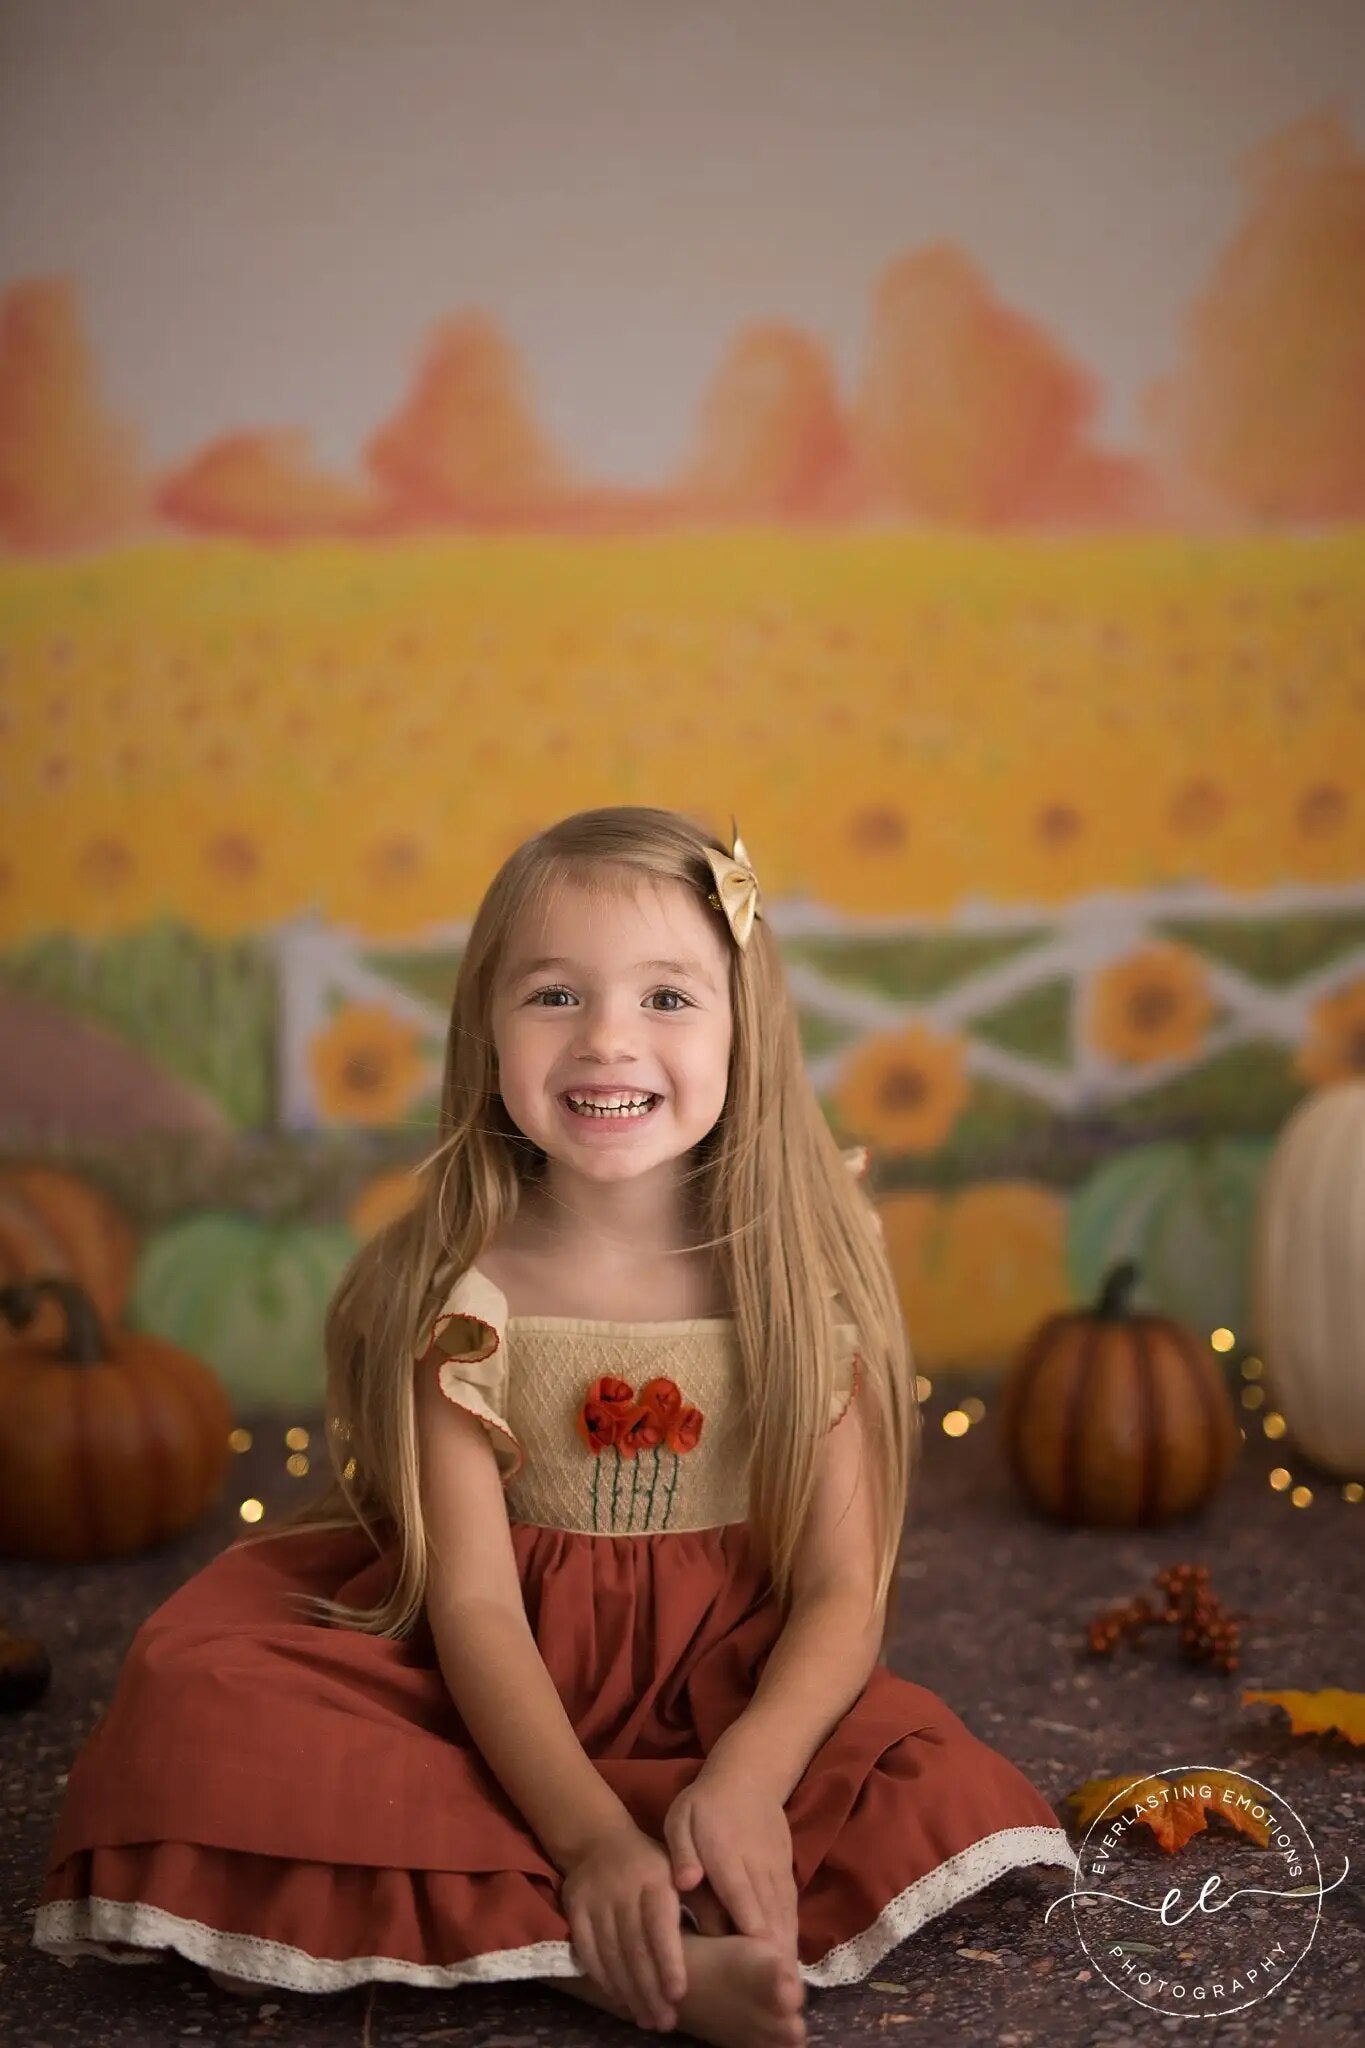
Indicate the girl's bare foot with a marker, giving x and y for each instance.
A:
(741, 1993)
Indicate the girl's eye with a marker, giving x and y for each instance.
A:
(558, 991)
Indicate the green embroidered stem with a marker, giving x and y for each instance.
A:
(649, 1504)
(668, 1504)
(615, 1483)
(596, 1475)
(634, 1484)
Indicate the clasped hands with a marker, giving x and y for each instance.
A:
(622, 1895)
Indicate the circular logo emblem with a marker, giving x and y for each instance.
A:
(1204, 1930)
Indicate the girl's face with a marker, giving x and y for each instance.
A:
(615, 1001)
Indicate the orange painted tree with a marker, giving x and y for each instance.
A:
(773, 438)
(264, 485)
(465, 447)
(969, 413)
(1265, 415)
(69, 472)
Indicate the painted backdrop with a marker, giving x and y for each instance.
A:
(422, 427)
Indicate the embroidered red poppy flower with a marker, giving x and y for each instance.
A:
(663, 1396)
(642, 1429)
(604, 1411)
(680, 1423)
(684, 1431)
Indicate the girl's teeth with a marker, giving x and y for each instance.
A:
(595, 1109)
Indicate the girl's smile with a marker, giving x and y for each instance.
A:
(602, 1113)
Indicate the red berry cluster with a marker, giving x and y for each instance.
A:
(1207, 1631)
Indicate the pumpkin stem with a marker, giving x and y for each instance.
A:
(1113, 1303)
(83, 1340)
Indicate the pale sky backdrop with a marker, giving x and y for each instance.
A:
(266, 203)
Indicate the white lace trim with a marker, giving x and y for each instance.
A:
(122, 1931)
(971, 1870)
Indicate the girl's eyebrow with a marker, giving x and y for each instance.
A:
(693, 968)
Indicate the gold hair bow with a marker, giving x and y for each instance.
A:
(736, 891)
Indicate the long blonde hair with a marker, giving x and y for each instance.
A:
(775, 1200)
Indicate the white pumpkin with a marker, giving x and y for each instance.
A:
(1308, 1276)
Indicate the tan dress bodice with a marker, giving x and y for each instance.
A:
(607, 1428)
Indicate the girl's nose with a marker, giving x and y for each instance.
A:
(606, 1030)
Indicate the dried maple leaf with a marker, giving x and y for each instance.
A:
(1173, 1810)
(1314, 1713)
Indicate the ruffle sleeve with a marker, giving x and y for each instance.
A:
(858, 1160)
(847, 1373)
(467, 1347)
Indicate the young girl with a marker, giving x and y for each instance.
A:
(575, 1673)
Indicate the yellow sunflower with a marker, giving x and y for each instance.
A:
(1153, 1006)
(1070, 813)
(1335, 1047)
(902, 1091)
(1325, 822)
(226, 860)
(877, 829)
(79, 867)
(367, 1065)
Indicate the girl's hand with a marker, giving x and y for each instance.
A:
(626, 1919)
(731, 1832)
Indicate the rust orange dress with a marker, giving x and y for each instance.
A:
(302, 1805)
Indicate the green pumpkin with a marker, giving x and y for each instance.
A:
(247, 1296)
(1185, 1214)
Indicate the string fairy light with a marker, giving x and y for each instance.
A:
(1254, 1395)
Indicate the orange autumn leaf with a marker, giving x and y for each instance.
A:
(1173, 1811)
(1315, 1713)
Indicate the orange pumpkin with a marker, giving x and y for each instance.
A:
(108, 1443)
(1117, 1419)
(53, 1222)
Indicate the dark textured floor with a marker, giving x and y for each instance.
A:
(993, 1610)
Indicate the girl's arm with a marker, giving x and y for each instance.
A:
(487, 1653)
(832, 1637)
